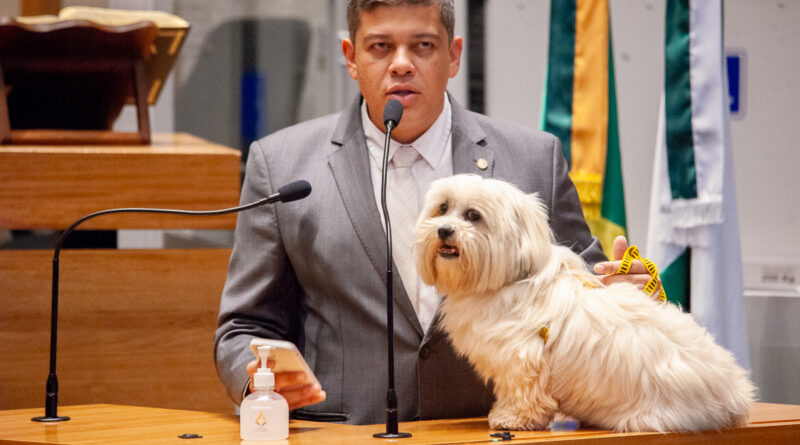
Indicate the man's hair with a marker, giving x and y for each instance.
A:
(447, 13)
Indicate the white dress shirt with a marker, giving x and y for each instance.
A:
(436, 161)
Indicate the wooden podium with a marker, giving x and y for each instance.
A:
(120, 425)
(136, 327)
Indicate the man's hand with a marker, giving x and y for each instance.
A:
(637, 275)
(292, 386)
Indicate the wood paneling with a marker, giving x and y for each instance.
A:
(135, 327)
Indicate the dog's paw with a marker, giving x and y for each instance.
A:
(503, 419)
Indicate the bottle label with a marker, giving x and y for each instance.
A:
(261, 420)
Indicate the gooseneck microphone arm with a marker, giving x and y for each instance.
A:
(290, 192)
(392, 113)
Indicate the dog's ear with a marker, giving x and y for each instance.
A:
(536, 237)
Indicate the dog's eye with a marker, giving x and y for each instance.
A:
(472, 215)
(443, 208)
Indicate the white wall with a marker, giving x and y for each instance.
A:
(10, 8)
(767, 140)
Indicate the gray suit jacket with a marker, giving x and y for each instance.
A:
(313, 271)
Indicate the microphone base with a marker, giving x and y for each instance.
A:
(391, 421)
(50, 419)
(391, 435)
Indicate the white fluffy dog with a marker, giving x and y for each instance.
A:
(532, 319)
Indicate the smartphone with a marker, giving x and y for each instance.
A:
(286, 357)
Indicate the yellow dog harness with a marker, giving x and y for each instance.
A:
(625, 266)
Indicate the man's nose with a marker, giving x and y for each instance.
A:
(401, 62)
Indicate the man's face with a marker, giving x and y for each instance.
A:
(402, 53)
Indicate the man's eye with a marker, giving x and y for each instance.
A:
(472, 215)
(443, 208)
(425, 46)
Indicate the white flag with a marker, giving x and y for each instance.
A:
(693, 234)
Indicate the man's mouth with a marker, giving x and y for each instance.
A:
(400, 92)
(448, 251)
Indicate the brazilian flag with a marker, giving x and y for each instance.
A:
(580, 108)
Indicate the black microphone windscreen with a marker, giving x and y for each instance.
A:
(294, 191)
(393, 111)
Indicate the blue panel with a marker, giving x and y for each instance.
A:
(734, 67)
(254, 107)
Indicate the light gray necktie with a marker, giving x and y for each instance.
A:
(402, 197)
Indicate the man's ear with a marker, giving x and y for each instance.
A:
(349, 51)
(456, 47)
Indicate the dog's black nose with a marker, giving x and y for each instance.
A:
(445, 232)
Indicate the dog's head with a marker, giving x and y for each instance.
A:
(477, 235)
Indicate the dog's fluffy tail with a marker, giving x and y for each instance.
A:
(697, 392)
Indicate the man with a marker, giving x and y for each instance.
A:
(312, 271)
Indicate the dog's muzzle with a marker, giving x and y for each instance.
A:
(446, 250)
(445, 232)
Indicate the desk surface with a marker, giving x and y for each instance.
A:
(114, 424)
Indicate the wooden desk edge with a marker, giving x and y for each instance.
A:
(785, 423)
(161, 143)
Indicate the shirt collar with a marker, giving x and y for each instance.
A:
(431, 145)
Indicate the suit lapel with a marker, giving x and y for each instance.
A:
(351, 171)
(471, 153)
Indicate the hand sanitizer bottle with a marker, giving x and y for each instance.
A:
(264, 414)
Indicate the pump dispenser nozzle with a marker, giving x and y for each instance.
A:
(264, 377)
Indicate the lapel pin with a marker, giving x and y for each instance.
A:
(482, 163)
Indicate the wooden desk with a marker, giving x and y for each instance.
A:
(115, 424)
(50, 186)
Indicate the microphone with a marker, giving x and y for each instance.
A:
(289, 192)
(392, 112)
